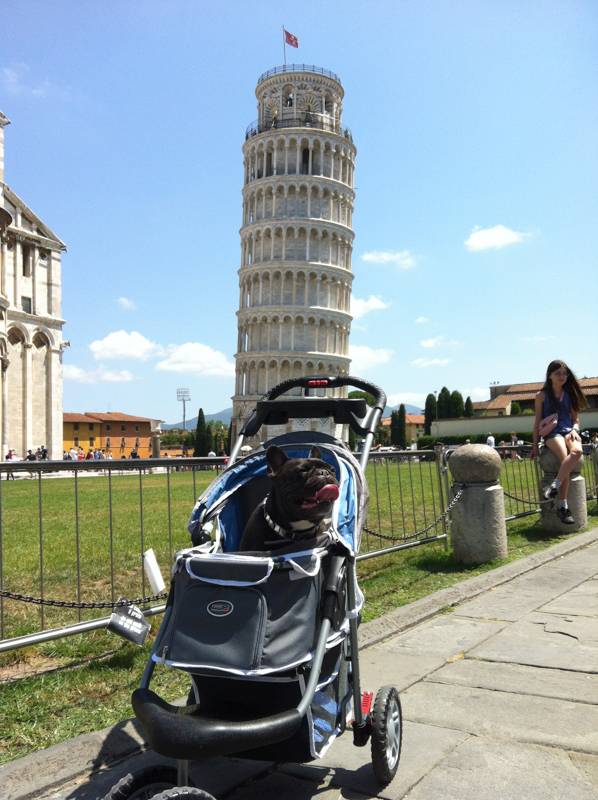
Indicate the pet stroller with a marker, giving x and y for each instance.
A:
(269, 640)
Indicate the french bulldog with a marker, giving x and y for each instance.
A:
(300, 500)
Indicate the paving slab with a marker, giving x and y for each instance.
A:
(544, 640)
(283, 786)
(380, 666)
(581, 601)
(482, 769)
(523, 595)
(581, 687)
(424, 747)
(500, 715)
(446, 636)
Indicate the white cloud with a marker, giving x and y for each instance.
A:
(99, 375)
(430, 362)
(403, 260)
(364, 358)
(124, 303)
(409, 398)
(359, 308)
(196, 358)
(18, 80)
(480, 393)
(431, 342)
(121, 344)
(420, 320)
(496, 237)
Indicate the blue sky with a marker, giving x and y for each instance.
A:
(475, 218)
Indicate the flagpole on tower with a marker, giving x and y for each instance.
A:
(284, 46)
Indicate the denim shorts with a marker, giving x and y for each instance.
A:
(558, 431)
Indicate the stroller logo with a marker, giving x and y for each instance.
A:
(220, 608)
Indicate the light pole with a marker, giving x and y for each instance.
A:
(436, 398)
(183, 394)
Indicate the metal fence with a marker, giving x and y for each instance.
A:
(72, 534)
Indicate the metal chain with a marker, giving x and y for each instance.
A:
(528, 502)
(447, 510)
(41, 601)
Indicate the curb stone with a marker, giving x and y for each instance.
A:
(27, 778)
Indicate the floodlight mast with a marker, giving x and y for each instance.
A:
(183, 394)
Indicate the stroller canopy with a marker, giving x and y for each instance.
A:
(229, 499)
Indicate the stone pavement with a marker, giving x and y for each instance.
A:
(498, 678)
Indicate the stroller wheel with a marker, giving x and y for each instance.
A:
(387, 729)
(183, 793)
(144, 784)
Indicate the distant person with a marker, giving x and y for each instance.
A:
(515, 443)
(73, 454)
(9, 474)
(561, 395)
(468, 441)
(30, 457)
(212, 454)
(43, 453)
(490, 440)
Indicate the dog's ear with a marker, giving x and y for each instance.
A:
(275, 458)
(316, 452)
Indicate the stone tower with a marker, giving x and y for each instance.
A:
(296, 237)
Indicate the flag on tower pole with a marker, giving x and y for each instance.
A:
(288, 38)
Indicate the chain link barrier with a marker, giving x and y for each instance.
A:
(419, 534)
(42, 601)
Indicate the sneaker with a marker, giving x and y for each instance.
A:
(549, 492)
(565, 515)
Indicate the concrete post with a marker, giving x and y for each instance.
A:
(576, 495)
(478, 530)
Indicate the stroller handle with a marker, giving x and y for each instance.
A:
(326, 382)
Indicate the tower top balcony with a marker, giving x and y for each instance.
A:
(308, 119)
(298, 68)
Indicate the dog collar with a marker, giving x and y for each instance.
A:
(284, 532)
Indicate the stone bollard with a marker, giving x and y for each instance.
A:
(576, 495)
(478, 530)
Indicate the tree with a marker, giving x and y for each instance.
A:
(394, 428)
(444, 403)
(468, 407)
(429, 414)
(383, 435)
(352, 440)
(457, 408)
(402, 426)
(210, 436)
(515, 407)
(369, 398)
(201, 439)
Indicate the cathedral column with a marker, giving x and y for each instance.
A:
(4, 444)
(28, 396)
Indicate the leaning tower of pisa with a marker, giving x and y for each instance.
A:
(296, 237)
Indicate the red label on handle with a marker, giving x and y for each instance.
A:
(317, 383)
(366, 703)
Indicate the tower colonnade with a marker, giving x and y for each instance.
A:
(296, 237)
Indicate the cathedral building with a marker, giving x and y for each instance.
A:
(296, 238)
(30, 327)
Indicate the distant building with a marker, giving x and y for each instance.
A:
(120, 433)
(30, 326)
(414, 425)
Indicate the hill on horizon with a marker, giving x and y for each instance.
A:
(225, 417)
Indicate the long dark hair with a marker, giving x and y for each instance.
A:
(577, 399)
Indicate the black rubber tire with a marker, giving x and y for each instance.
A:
(387, 733)
(184, 793)
(144, 784)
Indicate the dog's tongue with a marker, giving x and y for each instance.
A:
(327, 494)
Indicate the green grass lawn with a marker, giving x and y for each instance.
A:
(83, 683)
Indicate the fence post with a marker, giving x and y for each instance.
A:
(478, 529)
(576, 495)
